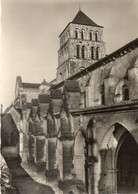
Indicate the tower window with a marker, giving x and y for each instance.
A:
(96, 36)
(125, 93)
(92, 52)
(76, 34)
(91, 35)
(97, 53)
(78, 51)
(83, 52)
(82, 34)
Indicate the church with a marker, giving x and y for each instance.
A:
(80, 131)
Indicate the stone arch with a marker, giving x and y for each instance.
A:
(110, 146)
(98, 53)
(92, 51)
(97, 36)
(91, 33)
(78, 51)
(82, 34)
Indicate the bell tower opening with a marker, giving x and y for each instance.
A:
(127, 166)
(76, 41)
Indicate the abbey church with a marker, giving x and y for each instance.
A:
(80, 131)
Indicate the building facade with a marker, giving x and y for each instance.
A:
(82, 132)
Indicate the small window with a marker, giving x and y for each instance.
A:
(96, 36)
(97, 53)
(102, 95)
(83, 52)
(76, 34)
(78, 51)
(91, 35)
(125, 93)
(82, 34)
(92, 52)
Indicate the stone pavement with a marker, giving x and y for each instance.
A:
(23, 182)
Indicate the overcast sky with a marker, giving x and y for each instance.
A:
(30, 30)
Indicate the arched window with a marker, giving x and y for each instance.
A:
(92, 52)
(82, 34)
(78, 51)
(97, 53)
(96, 36)
(91, 35)
(76, 34)
(102, 95)
(125, 93)
(83, 52)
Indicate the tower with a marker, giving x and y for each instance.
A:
(81, 44)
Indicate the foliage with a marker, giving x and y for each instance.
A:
(6, 187)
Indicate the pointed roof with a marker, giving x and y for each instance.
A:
(44, 82)
(83, 19)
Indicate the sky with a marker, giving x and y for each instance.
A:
(30, 32)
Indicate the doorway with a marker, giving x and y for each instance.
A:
(127, 166)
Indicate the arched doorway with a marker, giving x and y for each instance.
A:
(119, 161)
(127, 165)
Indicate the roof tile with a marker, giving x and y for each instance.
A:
(31, 85)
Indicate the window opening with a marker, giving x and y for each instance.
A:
(83, 52)
(78, 51)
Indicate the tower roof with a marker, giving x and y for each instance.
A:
(83, 19)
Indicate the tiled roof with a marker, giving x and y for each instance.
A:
(34, 102)
(43, 98)
(31, 85)
(55, 94)
(71, 86)
(83, 19)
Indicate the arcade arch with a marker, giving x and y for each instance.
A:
(118, 151)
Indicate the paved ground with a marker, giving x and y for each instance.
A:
(23, 182)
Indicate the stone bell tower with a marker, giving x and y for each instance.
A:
(81, 44)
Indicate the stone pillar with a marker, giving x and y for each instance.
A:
(25, 147)
(94, 162)
(109, 90)
(112, 173)
(40, 153)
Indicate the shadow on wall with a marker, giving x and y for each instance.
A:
(10, 137)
